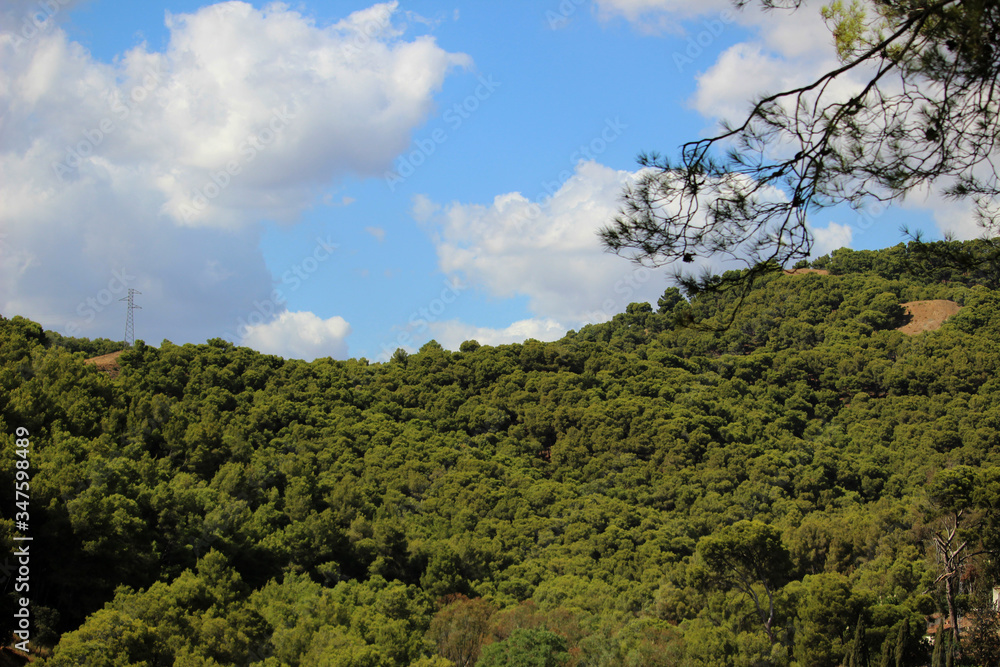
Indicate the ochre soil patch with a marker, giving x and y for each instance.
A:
(106, 362)
(927, 315)
(799, 272)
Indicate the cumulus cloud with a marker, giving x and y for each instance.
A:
(244, 113)
(658, 15)
(954, 217)
(741, 73)
(300, 335)
(830, 238)
(453, 333)
(160, 166)
(784, 48)
(787, 51)
(547, 251)
(24, 20)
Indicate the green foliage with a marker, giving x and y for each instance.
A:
(638, 493)
(459, 629)
(526, 648)
(858, 654)
(824, 603)
(981, 644)
(848, 26)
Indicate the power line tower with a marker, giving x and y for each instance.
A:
(129, 321)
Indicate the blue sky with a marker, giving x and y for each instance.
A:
(342, 179)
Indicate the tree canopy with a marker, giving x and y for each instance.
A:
(637, 493)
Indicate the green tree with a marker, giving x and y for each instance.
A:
(940, 645)
(905, 653)
(670, 299)
(111, 638)
(953, 491)
(982, 639)
(824, 605)
(460, 628)
(749, 556)
(526, 648)
(858, 654)
(888, 657)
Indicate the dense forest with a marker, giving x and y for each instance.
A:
(772, 478)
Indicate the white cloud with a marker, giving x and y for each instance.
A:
(830, 238)
(251, 109)
(451, 334)
(251, 113)
(423, 208)
(658, 15)
(953, 217)
(786, 47)
(792, 49)
(548, 251)
(802, 35)
(727, 89)
(300, 335)
(23, 20)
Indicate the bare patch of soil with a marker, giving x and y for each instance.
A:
(799, 272)
(107, 363)
(927, 315)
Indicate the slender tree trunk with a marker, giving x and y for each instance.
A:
(766, 617)
(949, 592)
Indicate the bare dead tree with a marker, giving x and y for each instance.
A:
(952, 554)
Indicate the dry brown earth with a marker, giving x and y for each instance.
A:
(106, 362)
(799, 272)
(927, 315)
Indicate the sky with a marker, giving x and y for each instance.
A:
(342, 179)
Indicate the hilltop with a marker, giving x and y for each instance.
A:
(684, 484)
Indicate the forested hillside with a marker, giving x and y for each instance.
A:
(667, 488)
